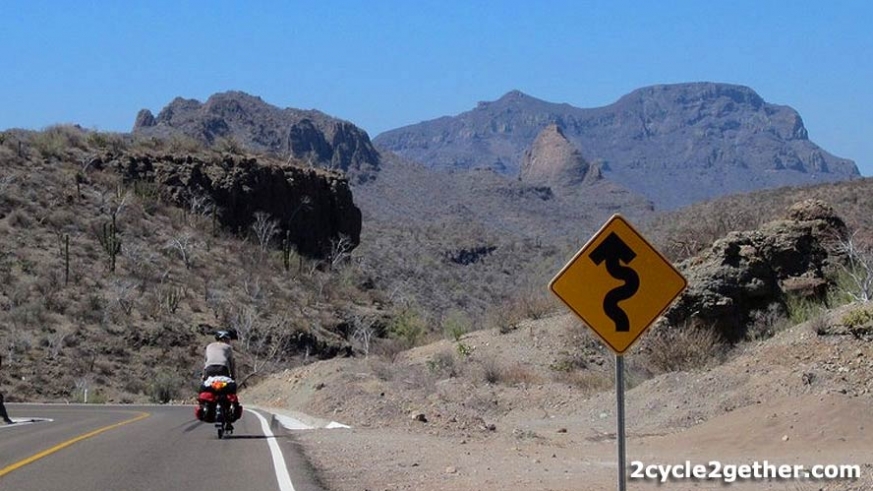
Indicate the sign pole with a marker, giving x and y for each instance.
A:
(619, 434)
(618, 284)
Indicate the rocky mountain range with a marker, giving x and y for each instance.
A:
(674, 144)
(246, 120)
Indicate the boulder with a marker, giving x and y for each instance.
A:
(752, 270)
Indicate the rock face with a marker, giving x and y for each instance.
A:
(752, 271)
(315, 207)
(674, 144)
(553, 160)
(310, 136)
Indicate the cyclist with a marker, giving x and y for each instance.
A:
(219, 356)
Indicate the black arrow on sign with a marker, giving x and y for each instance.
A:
(615, 252)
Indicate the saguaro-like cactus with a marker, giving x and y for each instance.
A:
(111, 242)
(287, 248)
(66, 252)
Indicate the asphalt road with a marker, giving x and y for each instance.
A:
(144, 448)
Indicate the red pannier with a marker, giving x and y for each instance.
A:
(210, 390)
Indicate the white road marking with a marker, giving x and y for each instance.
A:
(282, 476)
(291, 423)
(25, 421)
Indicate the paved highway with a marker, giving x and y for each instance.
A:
(144, 448)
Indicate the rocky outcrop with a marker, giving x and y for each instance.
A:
(752, 271)
(309, 136)
(675, 144)
(553, 160)
(314, 207)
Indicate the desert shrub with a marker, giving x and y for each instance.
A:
(492, 372)
(407, 325)
(56, 141)
(380, 369)
(50, 143)
(31, 314)
(455, 325)
(686, 232)
(535, 304)
(229, 145)
(146, 143)
(165, 387)
(184, 144)
(857, 317)
(569, 361)
(105, 141)
(684, 347)
(517, 375)
(464, 350)
(766, 323)
(443, 364)
(505, 318)
(855, 277)
(801, 309)
(587, 381)
(20, 218)
(388, 349)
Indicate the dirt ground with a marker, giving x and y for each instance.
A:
(503, 412)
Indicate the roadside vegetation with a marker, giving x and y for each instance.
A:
(108, 291)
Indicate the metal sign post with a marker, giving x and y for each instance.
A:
(619, 432)
(618, 284)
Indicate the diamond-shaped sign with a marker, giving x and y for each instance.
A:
(618, 284)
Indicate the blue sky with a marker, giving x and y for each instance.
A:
(386, 64)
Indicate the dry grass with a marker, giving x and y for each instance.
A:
(143, 317)
(686, 347)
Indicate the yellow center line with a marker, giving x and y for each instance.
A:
(60, 446)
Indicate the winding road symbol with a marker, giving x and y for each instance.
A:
(614, 252)
(618, 284)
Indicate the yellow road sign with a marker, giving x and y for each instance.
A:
(618, 284)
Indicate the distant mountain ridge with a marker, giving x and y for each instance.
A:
(675, 144)
(308, 135)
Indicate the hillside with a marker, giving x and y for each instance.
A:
(119, 258)
(530, 405)
(438, 252)
(707, 139)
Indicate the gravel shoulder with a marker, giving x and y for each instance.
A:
(415, 423)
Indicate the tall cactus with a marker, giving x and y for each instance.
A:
(66, 253)
(111, 242)
(286, 251)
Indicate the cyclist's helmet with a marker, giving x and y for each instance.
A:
(222, 336)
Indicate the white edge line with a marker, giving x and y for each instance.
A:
(282, 476)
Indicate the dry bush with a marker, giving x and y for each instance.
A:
(388, 349)
(685, 347)
(383, 370)
(443, 364)
(766, 323)
(505, 318)
(586, 381)
(56, 141)
(20, 219)
(184, 144)
(684, 233)
(515, 375)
